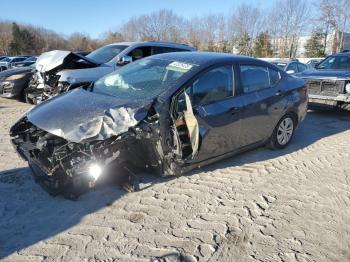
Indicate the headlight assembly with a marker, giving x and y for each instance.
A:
(95, 171)
(7, 84)
(347, 88)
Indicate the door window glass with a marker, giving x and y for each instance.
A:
(165, 49)
(301, 67)
(293, 66)
(140, 52)
(214, 85)
(275, 76)
(254, 78)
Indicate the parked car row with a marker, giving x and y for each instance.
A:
(329, 83)
(7, 62)
(14, 81)
(290, 66)
(160, 107)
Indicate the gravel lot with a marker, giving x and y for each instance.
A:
(289, 205)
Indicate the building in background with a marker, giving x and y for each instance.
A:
(295, 48)
(336, 42)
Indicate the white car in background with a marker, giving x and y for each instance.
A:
(60, 71)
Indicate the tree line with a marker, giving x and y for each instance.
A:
(247, 29)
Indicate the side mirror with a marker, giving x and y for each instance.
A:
(124, 60)
(290, 72)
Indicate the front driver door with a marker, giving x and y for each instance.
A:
(217, 110)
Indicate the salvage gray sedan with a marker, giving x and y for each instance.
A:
(168, 114)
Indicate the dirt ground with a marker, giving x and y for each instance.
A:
(288, 205)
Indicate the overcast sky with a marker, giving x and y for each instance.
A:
(97, 16)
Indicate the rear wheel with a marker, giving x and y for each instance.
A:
(283, 132)
(345, 106)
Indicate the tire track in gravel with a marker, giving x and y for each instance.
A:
(289, 205)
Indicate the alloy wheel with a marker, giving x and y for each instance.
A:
(285, 131)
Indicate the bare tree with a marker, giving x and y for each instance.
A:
(288, 20)
(111, 37)
(334, 17)
(162, 25)
(245, 24)
(5, 37)
(81, 42)
(246, 28)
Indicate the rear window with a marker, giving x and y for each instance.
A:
(165, 49)
(335, 62)
(18, 59)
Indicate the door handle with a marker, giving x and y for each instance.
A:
(234, 110)
(279, 93)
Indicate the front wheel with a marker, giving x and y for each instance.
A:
(27, 99)
(283, 132)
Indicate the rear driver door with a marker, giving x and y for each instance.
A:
(217, 110)
(264, 102)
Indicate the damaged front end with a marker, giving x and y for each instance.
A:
(45, 82)
(44, 86)
(119, 129)
(71, 168)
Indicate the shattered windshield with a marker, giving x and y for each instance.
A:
(335, 62)
(142, 79)
(106, 53)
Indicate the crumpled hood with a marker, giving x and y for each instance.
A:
(53, 59)
(79, 115)
(325, 74)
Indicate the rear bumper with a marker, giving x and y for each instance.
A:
(339, 98)
(329, 100)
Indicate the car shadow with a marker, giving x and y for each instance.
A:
(317, 125)
(28, 215)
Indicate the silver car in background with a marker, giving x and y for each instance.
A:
(60, 71)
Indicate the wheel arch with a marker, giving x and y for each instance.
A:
(294, 115)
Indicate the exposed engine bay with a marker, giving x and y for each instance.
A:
(154, 144)
(45, 83)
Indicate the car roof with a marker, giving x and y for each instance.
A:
(206, 58)
(281, 61)
(341, 54)
(156, 43)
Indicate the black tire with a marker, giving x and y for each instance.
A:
(279, 139)
(27, 99)
(345, 106)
